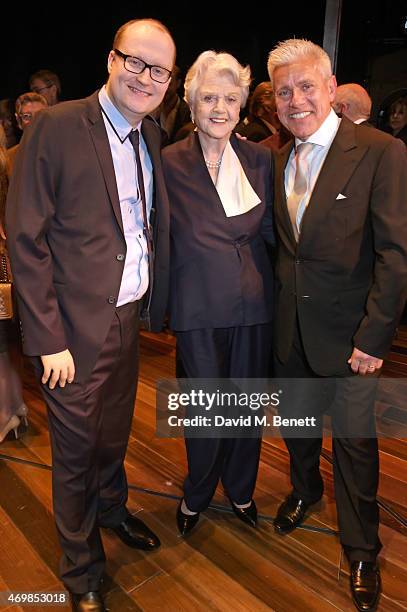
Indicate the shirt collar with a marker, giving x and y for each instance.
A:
(120, 123)
(325, 133)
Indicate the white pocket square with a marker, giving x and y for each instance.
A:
(340, 196)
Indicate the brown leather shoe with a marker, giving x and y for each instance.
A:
(87, 602)
(365, 585)
(133, 532)
(290, 514)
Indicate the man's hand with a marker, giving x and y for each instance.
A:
(58, 368)
(2, 232)
(362, 363)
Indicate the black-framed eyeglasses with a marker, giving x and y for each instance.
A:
(137, 66)
(40, 89)
(25, 116)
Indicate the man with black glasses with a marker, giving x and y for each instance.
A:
(27, 106)
(86, 215)
(46, 83)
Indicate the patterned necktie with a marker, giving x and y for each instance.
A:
(295, 198)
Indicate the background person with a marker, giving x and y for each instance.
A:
(12, 406)
(353, 101)
(27, 106)
(262, 120)
(48, 84)
(87, 205)
(173, 113)
(398, 119)
(8, 122)
(221, 279)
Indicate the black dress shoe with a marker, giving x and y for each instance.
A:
(88, 602)
(133, 532)
(290, 514)
(247, 515)
(365, 584)
(186, 522)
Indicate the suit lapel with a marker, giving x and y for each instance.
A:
(342, 158)
(101, 143)
(152, 136)
(281, 210)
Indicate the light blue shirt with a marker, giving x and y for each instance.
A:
(134, 281)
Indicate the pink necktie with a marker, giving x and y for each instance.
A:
(300, 185)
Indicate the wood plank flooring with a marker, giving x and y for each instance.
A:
(223, 565)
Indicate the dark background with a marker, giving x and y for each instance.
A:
(74, 39)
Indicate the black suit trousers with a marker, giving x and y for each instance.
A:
(89, 426)
(235, 352)
(350, 401)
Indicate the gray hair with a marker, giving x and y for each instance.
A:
(223, 64)
(295, 50)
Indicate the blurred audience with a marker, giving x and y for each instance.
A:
(7, 121)
(173, 113)
(3, 138)
(27, 106)
(262, 120)
(353, 101)
(46, 83)
(184, 131)
(398, 119)
(12, 407)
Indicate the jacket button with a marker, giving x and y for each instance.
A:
(111, 299)
(120, 257)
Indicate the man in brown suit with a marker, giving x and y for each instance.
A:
(341, 283)
(85, 214)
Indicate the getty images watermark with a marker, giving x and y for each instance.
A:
(300, 408)
(239, 401)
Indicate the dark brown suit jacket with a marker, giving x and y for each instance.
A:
(346, 278)
(65, 232)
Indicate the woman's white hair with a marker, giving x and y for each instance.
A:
(223, 64)
(295, 50)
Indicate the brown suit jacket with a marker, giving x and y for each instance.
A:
(65, 232)
(346, 278)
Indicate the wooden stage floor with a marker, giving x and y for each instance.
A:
(223, 565)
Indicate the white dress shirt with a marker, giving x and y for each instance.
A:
(134, 281)
(322, 140)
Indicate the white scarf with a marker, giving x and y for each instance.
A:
(233, 187)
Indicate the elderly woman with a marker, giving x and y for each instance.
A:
(221, 279)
